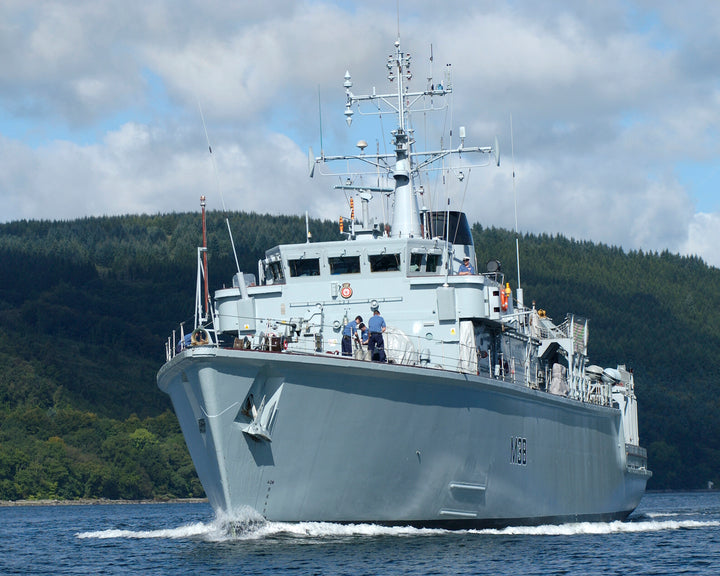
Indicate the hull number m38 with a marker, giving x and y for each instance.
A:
(518, 451)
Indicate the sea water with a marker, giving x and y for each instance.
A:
(670, 533)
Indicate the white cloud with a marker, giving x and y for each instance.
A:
(98, 107)
(704, 238)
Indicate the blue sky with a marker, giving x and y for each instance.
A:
(615, 107)
(703, 180)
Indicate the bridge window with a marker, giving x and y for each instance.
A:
(274, 272)
(433, 262)
(384, 262)
(304, 267)
(424, 263)
(344, 265)
(415, 262)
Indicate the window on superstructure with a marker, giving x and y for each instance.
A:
(304, 267)
(384, 262)
(415, 262)
(344, 265)
(433, 262)
(274, 273)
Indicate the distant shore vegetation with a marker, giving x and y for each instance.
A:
(87, 305)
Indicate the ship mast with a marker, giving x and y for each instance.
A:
(403, 164)
(406, 218)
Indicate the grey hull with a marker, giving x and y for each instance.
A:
(333, 439)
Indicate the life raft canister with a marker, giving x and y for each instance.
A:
(505, 297)
(200, 337)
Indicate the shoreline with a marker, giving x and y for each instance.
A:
(97, 501)
(107, 501)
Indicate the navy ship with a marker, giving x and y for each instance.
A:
(382, 379)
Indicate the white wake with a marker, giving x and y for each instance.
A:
(250, 526)
(617, 527)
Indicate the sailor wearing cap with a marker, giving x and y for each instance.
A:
(466, 268)
(376, 344)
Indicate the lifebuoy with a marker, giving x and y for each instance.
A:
(199, 338)
(503, 300)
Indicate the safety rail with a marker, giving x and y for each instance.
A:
(446, 356)
(633, 450)
(201, 336)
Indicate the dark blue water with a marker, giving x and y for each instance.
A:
(676, 533)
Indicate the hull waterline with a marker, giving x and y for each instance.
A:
(349, 441)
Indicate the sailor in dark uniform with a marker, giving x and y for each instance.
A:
(376, 344)
(347, 336)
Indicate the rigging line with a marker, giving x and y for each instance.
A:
(517, 240)
(448, 116)
(448, 83)
(219, 189)
(212, 157)
(382, 128)
(433, 195)
(377, 167)
(417, 176)
(462, 203)
(205, 412)
(428, 231)
(440, 183)
(439, 180)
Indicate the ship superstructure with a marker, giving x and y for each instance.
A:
(486, 412)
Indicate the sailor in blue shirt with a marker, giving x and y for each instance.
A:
(376, 344)
(361, 340)
(347, 335)
(466, 268)
(364, 334)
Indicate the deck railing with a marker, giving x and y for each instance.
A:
(443, 356)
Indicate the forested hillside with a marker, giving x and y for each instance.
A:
(86, 306)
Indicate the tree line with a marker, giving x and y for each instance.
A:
(86, 306)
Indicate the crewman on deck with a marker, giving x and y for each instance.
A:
(376, 343)
(348, 332)
(361, 340)
(466, 268)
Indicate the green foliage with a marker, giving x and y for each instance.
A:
(67, 454)
(86, 306)
(85, 309)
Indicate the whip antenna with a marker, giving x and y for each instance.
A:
(219, 189)
(517, 239)
(322, 153)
